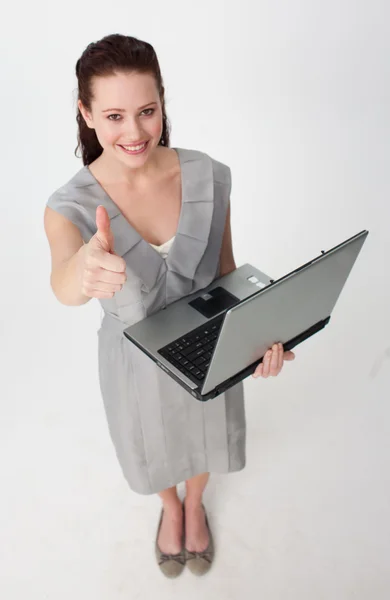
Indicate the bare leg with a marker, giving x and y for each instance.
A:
(170, 537)
(197, 538)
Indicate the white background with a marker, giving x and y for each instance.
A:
(294, 97)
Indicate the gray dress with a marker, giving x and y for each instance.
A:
(162, 435)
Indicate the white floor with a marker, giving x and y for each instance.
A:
(308, 518)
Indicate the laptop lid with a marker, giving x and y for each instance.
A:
(281, 311)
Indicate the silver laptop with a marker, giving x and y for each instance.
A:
(212, 339)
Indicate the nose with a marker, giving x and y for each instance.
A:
(134, 131)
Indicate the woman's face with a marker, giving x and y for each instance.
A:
(126, 111)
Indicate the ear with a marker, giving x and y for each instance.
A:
(86, 115)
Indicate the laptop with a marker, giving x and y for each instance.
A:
(211, 340)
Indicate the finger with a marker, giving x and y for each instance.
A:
(109, 288)
(100, 294)
(103, 225)
(266, 363)
(259, 371)
(280, 355)
(99, 275)
(100, 290)
(274, 360)
(289, 355)
(112, 262)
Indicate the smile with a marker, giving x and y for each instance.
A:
(134, 149)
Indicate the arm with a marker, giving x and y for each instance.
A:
(66, 247)
(227, 262)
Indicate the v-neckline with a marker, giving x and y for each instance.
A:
(139, 237)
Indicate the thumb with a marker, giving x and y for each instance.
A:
(104, 233)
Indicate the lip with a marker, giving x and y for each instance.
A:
(134, 143)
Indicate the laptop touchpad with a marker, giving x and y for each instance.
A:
(214, 302)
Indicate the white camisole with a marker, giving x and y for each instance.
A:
(164, 248)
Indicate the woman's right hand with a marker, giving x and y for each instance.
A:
(103, 272)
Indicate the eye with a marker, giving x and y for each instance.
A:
(113, 115)
(151, 111)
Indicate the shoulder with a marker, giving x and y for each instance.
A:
(76, 200)
(77, 191)
(221, 171)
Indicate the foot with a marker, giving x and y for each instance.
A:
(171, 531)
(197, 537)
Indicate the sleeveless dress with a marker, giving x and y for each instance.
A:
(162, 435)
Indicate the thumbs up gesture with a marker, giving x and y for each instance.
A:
(103, 272)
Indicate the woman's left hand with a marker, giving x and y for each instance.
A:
(273, 361)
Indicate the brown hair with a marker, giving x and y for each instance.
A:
(112, 54)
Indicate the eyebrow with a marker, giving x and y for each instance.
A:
(123, 110)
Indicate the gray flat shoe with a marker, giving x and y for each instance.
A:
(171, 565)
(200, 563)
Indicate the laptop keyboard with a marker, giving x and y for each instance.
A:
(192, 353)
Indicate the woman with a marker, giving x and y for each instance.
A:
(139, 226)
